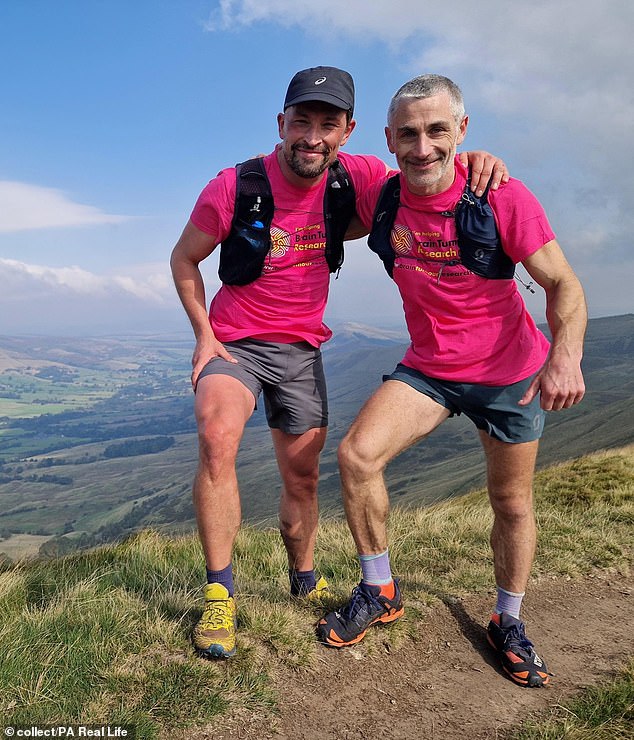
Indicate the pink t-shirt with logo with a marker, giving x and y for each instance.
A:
(287, 303)
(463, 327)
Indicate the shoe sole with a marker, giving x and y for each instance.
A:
(216, 652)
(525, 680)
(384, 619)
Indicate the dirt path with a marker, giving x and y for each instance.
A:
(448, 685)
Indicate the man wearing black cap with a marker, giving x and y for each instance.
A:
(280, 240)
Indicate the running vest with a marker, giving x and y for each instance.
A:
(478, 238)
(243, 252)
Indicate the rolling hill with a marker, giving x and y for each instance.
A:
(81, 421)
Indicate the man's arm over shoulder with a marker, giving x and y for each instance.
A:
(356, 229)
(484, 167)
(560, 381)
(364, 169)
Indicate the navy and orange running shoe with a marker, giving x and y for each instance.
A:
(506, 635)
(367, 606)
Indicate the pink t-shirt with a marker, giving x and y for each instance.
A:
(287, 303)
(463, 327)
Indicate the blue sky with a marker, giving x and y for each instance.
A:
(115, 114)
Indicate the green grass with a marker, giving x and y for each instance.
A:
(103, 636)
(604, 712)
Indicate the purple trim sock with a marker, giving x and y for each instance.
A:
(224, 576)
(509, 602)
(376, 569)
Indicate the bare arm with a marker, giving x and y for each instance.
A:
(190, 250)
(560, 380)
(484, 166)
(356, 229)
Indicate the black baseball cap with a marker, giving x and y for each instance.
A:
(328, 84)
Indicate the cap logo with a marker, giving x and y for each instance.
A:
(320, 81)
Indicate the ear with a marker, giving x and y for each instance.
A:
(462, 130)
(388, 137)
(280, 125)
(348, 131)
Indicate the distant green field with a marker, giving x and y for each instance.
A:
(27, 396)
(20, 546)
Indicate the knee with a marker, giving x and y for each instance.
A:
(356, 461)
(302, 487)
(512, 506)
(217, 443)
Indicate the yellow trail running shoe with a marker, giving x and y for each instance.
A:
(317, 594)
(215, 634)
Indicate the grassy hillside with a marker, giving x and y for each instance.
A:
(103, 636)
(65, 405)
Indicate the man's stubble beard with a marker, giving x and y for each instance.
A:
(307, 170)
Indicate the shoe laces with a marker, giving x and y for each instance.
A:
(361, 596)
(217, 615)
(516, 641)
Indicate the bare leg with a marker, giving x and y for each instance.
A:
(298, 461)
(223, 406)
(393, 419)
(510, 469)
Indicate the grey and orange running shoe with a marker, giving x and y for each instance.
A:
(508, 638)
(368, 606)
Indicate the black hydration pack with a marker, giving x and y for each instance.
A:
(478, 238)
(243, 252)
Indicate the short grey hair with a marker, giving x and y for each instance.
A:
(426, 86)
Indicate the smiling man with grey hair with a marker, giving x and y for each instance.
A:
(475, 350)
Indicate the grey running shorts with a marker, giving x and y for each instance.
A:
(493, 409)
(290, 376)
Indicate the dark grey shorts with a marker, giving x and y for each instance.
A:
(290, 376)
(493, 409)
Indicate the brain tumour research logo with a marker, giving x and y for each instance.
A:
(401, 239)
(280, 242)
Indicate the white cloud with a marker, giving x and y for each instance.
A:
(68, 300)
(21, 281)
(357, 17)
(567, 58)
(558, 75)
(24, 207)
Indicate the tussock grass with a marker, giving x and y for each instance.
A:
(604, 712)
(103, 636)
